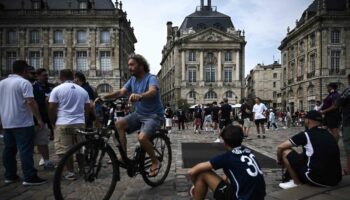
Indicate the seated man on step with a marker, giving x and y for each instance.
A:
(243, 177)
(319, 164)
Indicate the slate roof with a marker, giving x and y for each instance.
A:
(55, 4)
(205, 18)
(331, 5)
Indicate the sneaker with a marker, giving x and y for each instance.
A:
(263, 137)
(258, 136)
(288, 185)
(41, 162)
(217, 140)
(70, 176)
(9, 181)
(49, 165)
(35, 180)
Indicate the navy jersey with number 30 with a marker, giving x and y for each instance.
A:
(245, 174)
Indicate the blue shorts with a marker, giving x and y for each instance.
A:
(146, 124)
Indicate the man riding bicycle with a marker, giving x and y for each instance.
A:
(149, 112)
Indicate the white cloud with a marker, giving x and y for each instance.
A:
(265, 23)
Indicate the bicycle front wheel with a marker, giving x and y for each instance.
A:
(162, 149)
(84, 172)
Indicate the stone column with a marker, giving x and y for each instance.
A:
(219, 70)
(92, 41)
(69, 51)
(21, 40)
(201, 66)
(183, 66)
(237, 65)
(46, 43)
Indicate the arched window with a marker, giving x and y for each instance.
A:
(211, 95)
(229, 94)
(192, 95)
(104, 88)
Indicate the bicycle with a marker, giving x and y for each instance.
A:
(92, 171)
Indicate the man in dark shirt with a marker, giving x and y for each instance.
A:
(197, 115)
(225, 114)
(319, 164)
(332, 117)
(215, 111)
(43, 81)
(247, 117)
(41, 139)
(80, 79)
(344, 104)
(240, 167)
(181, 117)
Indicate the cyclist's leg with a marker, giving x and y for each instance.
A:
(128, 123)
(149, 126)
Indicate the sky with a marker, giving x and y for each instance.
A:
(265, 24)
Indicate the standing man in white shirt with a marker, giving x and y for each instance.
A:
(17, 106)
(259, 116)
(69, 104)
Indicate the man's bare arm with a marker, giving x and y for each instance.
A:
(152, 91)
(280, 148)
(87, 108)
(201, 167)
(116, 94)
(33, 106)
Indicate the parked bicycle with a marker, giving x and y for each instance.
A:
(97, 169)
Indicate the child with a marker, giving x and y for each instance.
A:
(245, 177)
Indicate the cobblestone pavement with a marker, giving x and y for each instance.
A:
(176, 185)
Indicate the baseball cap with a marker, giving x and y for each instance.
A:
(314, 115)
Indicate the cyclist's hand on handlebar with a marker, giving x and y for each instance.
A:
(135, 97)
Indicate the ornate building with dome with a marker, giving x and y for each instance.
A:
(203, 59)
(316, 52)
(91, 36)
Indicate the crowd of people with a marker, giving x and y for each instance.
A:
(33, 109)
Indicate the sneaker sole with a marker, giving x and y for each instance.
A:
(33, 184)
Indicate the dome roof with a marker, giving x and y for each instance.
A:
(205, 17)
(328, 5)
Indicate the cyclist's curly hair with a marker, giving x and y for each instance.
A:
(141, 61)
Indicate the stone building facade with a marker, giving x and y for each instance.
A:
(91, 36)
(203, 60)
(315, 53)
(264, 81)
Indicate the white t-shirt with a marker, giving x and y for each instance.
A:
(259, 110)
(71, 100)
(14, 112)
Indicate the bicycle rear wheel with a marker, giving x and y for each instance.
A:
(162, 148)
(93, 177)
